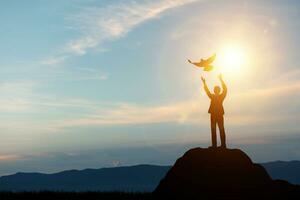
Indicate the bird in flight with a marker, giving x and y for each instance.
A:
(205, 63)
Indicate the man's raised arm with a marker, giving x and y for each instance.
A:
(206, 88)
(224, 87)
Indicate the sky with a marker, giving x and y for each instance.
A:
(91, 84)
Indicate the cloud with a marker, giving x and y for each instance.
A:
(16, 95)
(134, 114)
(57, 71)
(84, 74)
(54, 60)
(8, 157)
(258, 106)
(99, 24)
(21, 96)
(80, 74)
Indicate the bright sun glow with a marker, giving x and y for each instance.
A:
(232, 59)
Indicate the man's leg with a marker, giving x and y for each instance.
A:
(222, 131)
(213, 126)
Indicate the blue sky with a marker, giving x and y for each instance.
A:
(103, 83)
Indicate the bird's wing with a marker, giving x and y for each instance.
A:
(211, 59)
(197, 64)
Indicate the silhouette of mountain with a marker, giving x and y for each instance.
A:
(134, 178)
(221, 174)
(120, 178)
(289, 171)
(46, 195)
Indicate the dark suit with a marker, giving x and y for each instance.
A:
(216, 111)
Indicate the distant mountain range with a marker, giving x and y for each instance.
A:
(131, 178)
(283, 170)
(134, 178)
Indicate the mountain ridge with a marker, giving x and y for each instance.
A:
(104, 179)
(277, 170)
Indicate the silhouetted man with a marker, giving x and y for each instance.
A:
(216, 111)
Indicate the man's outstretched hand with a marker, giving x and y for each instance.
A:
(203, 79)
(220, 77)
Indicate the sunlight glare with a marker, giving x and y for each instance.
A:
(232, 60)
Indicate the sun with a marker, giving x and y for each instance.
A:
(232, 59)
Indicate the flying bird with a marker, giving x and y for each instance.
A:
(205, 63)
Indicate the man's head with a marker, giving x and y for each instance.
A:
(217, 90)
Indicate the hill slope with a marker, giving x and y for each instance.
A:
(221, 174)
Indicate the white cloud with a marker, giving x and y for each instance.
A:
(254, 107)
(257, 106)
(134, 114)
(16, 96)
(96, 75)
(99, 24)
(54, 60)
(81, 74)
